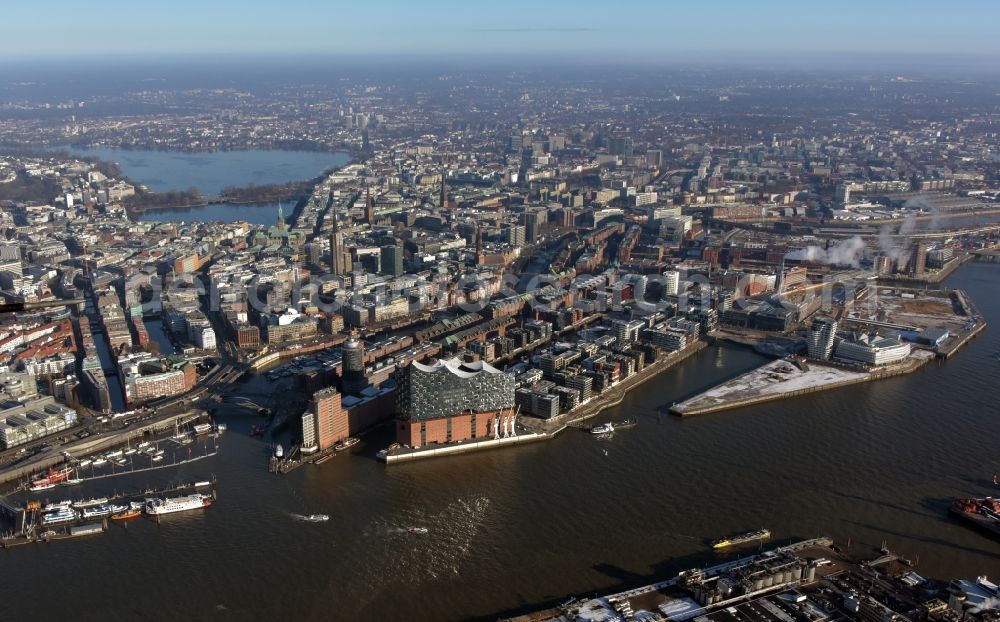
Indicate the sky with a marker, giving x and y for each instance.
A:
(651, 30)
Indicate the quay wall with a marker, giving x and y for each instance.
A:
(447, 450)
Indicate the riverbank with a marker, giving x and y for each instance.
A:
(783, 379)
(543, 429)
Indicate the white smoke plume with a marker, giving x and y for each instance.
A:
(896, 247)
(846, 253)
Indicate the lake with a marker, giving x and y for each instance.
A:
(210, 172)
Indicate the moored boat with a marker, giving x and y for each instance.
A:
(97, 511)
(743, 538)
(347, 443)
(126, 515)
(169, 505)
(604, 428)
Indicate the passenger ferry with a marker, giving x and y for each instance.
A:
(98, 511)
(64, 515)
(170, 505)
(604, 428)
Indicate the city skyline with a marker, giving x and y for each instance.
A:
(584, 31)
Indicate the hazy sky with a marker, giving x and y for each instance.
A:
(651, 29)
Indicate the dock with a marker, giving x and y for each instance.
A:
(28, 528)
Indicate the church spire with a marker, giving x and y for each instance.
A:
(281, 216)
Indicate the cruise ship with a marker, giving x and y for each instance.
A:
(743, 538)
(170, 505)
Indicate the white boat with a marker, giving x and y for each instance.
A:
(65, 515)
(115, 454)
(157, 458)
(279, 451)
(97, 511)
(86, 462)
(130, 451)
(58, 505)
(347, 443)
(604, 428)
(316, 518)
(99, 461)
(170, 505)
(89, 503)
(418, 530)
(118, 507)
(41, 485)
(136, 505)
(72, 481)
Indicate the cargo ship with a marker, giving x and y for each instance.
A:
(983, 513)
(170, 505)
(743, 538)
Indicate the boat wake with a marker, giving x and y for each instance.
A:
(433, 546)
(310, 518)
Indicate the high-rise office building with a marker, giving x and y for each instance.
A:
(620, 146)
(392, 259)
(352, 357)
(672, 282)
(533, 218)
(329, 417)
